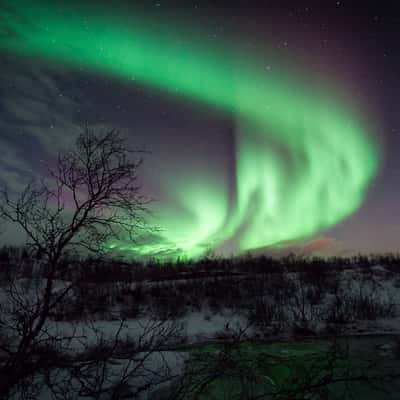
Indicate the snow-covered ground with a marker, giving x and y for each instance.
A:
(350, 301)
(267, 307)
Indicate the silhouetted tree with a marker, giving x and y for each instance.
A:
(91, 197)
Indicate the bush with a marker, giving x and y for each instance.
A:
(346, 308)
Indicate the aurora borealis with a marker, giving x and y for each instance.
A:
(303, 157)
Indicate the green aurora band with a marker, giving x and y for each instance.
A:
(303, 159)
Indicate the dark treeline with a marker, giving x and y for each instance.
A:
(109, 269)
(267, 291)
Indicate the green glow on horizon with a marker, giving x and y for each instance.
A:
(304, 160)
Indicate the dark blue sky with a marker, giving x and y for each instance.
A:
(355, 43)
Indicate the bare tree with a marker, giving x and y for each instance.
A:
(90, 198)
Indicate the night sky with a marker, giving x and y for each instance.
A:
(326, 185)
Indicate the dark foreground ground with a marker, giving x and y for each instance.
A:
(248, 328)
